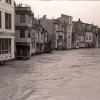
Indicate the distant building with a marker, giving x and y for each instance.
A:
(47, 24)
(67, 30)
(38, 32)
(88, 35)
(48, 27)
(7, 32)
(84, 35)
(98, 38)
(59, 34)
(78, 34)
(23, 23)
(95, 30)
(91, 35)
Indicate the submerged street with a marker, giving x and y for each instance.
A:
(61, 75)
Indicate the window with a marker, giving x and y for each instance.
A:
(9, 45)
(22, 18)
(59, 25)
(86, 37)
(33, 45)
(68, 36)
(69, 28)
(90, 37)
(0, 46)
(8, 1)
(29, 35)
(5, 45)
(22, 33)
(8, 21)
(0, 19)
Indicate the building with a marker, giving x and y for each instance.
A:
(48, 32)
(84, 35)
(88, 35)
(7, 32)
(95, 30)
(59, 34)
(39, 36)
(67, 30)
(98, 38)
(23, 23)
(91, 35)
(78, 35)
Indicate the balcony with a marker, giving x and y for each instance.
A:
(24, 40)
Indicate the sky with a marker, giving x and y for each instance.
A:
(87, 11)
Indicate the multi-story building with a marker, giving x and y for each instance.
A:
(84, 34)
(39, 36)
(91, 35)
(7, 32)
(48, 33)
(23, 22)
(67, 30)
(59, 34)
(88, 35)
(78, 35)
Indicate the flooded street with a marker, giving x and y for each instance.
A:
(62, 75)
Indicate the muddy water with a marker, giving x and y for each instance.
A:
(62, 75)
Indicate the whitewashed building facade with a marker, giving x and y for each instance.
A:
(7, 32)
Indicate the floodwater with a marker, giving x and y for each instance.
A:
(62, 75)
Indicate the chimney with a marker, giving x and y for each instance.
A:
(44, 16)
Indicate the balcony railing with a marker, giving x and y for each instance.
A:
(23, 6)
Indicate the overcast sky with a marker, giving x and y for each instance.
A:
(87, 11)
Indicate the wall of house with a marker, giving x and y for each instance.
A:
(7, 33)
